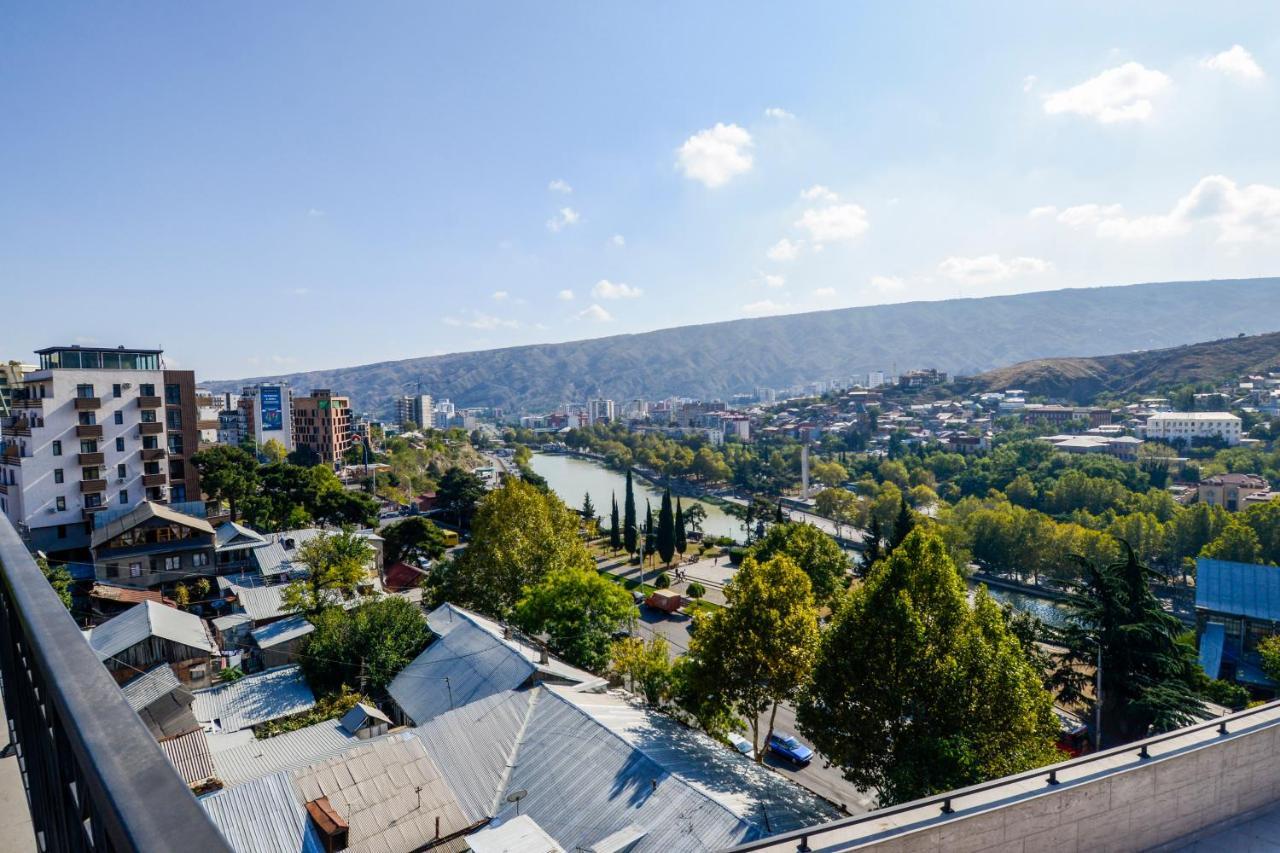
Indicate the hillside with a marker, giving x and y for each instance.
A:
(1082, 379)
(960, 336)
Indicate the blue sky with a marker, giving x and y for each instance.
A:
(270, 187)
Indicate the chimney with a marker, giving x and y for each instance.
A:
(542, 654)
(331, 825)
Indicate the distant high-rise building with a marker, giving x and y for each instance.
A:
(600, 411)
(268, 414)
(766, 395)
(322, 425)
(875, 379)
(416, 408)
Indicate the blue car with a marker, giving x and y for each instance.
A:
(788, 748)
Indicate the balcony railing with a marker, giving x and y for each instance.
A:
(88, 430)
(97, 458)
(153, 454)
(95, 778)
(151, 428)
(85, 404)
(149, 402)
(154, 479)
(89, 487)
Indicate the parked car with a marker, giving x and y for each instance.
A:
(786, 747)
(740, 743)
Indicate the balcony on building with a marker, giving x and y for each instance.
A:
(26, 403)
(88, 512)
(151, 428)
(98, 458)
(153, 480)
(88, 404)
(89, 431)
(153, 454)
(88, 487)
(149, 402)
(11, 454)
(17, 425)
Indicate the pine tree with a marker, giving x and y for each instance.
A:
(615, 532)
(871, 546)
(588, 508)
(902, 525)
(650, 534)
(666, 534)
(778, 517)
(682, 538)
(629, 517)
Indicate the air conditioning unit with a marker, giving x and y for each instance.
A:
(52, 510)
(126, 386)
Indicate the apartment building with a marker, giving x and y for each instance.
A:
(87, 435)
(415, 408)
(267, 412)
(322, 424)
(1190, 427)
(10, 378)
(208, 408)
(182, 434)
(600, 411)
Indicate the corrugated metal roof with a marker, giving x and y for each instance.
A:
(361, 715)
(254, 699)
(1212, 641)
(1238, 589)
(281, 632)
(149, 686)
(146, 511)
(274, 558)
(389, 791)
(518, 835)
(146, 620)
(231, 620)
(260, 602)
(263, 817)
(257, 758)
(235, 536)
(469, 661)
(189, 755)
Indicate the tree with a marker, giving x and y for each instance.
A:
(665, 538)
(273, 451)
(588, 509)
(916, 691)
(363, 648)
(629, 517)
(1237, 542)
(615, 534)
(519, 536)
(650, 533)
(840, 505)
(646, 665)
(227, 474)
(336, 564)
(816, 553)
(59, 578)
(1148, 676)
(695, 516)
(459, 493)
(902, 525)
(871, 543)
(580, 610)
(341, 507)
(695, 590)
(682, 539)
(1269, 651)
(758, 651)
(414, 540)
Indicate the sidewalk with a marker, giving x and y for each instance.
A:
(15, 816)
(709, 573)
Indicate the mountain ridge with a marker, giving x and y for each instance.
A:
(961, 336)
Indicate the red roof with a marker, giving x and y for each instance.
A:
(126, 595)
(402, 576)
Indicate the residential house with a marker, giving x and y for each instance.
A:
(152, 545)
(148, 634)
(1233, 491)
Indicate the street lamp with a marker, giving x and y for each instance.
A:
(1097, 699)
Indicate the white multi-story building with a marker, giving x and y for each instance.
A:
(600, 411)
(1187, 427)
(87, 435)
(416, 408)
(268, 410)
(875, 379)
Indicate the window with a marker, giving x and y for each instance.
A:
(173, 417)
(178, 493)
(148, 416)
(120, 444)
(113, 570)
(124, 496)
(175, 443)
(60, 502)
(150, 442)
(57, 475)
(173, 394)
(88, 419)
(83, 391)
(57, 448)
(172, 564)
(176, 469)
(146, 390)
(199, 560)
(88, 445)
(120, 416)
(122, 470)
(135, 570)
(150, 468)
(90, 473)
(115, 390)
(92, 501)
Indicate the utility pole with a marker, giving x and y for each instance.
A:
(1097, 701)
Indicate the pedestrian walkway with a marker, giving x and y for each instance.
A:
(711, 575)
(15, 816)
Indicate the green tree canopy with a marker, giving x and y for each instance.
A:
(682, 537)
(615, 532)
(816, 553)
(459, 493)
(416, 540)
(337, 563)
(916, 691)
(756, 652)
(644, 665)
(629, 529)
(665, 538)
(580, 611)
(363, 648)
(227, 474)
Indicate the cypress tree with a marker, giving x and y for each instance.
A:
(650, 535)
(615, 531)
(871, 549)
(666, 536)
(682, 538)
(902, 525)
(629, 517)
(778, 517)
(588, 508)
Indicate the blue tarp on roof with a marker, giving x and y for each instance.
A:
(1238, 589)
(1211, 643)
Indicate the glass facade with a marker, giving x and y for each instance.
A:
(98, 359)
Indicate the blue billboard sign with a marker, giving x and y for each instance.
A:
(272, 408)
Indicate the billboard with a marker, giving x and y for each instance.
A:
(272, 407)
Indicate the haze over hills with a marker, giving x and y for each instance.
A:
(1082, 379)
(960, 336)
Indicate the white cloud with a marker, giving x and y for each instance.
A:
(559, 186)
(778, 113)
(1029, 82)
(887, 283)
(1117, 94)
(1042, 211)
(784, 250)
(1236, 62)
(1242, 214)
(606, 289)
(818, 192)
(501, 296)
(824, 292)
(836, 223)
(565, 295)
(594, 313)
(986, 269)
(773, 281)
(618, 240)
(482, 321)
(564, 217)
(765, 306)
(716, 155)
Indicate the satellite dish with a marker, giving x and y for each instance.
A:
(517, 796)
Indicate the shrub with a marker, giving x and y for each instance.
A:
(736, 554)
(695, 590)
(663, 581)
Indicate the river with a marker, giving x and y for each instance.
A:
(1048, 611)
(571, 477)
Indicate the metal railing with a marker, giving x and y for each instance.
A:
(1140, 750)
(95, 778)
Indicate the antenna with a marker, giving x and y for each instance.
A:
(516, 797)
